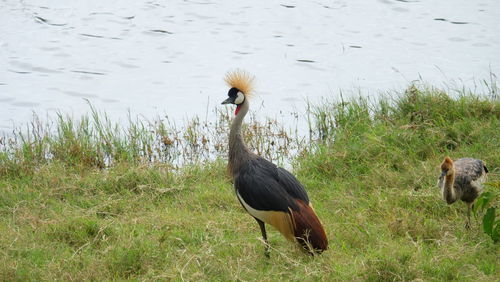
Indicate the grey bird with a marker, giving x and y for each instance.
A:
(462, 179)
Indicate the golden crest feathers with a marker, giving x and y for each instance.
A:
(241, 80)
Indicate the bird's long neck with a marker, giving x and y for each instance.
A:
(449, 193)
(238, 151)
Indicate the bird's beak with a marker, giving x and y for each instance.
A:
(227, 101)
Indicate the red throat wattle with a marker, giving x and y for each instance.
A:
(237, 109)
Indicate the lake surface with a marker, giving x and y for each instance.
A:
(169, 57)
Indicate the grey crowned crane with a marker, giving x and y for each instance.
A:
(462, 180)
(268, 193)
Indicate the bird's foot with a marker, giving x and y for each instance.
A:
(267, 254)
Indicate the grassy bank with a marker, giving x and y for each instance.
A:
(91, 201)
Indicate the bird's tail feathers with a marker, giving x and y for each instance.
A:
(308, 230)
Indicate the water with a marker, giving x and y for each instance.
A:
(169, 57)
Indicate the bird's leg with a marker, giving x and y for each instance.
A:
(264, 236)
(467, 224)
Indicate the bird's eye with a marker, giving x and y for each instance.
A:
(239, 98)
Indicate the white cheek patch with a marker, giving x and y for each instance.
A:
(239, 98)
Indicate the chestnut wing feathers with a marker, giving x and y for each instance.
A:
(266, 187)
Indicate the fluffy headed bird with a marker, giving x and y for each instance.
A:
(462, 180)
(269, 193)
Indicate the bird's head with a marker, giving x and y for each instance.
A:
(446, 167)
(241, 88)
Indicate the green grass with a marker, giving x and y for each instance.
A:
(92, 201)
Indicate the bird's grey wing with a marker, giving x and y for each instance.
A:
(258, 188)
(469, 169)
(288, 181)
(293, 187)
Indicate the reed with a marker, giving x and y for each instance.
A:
(94, 140)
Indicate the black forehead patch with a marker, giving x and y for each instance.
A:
(233, 92)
